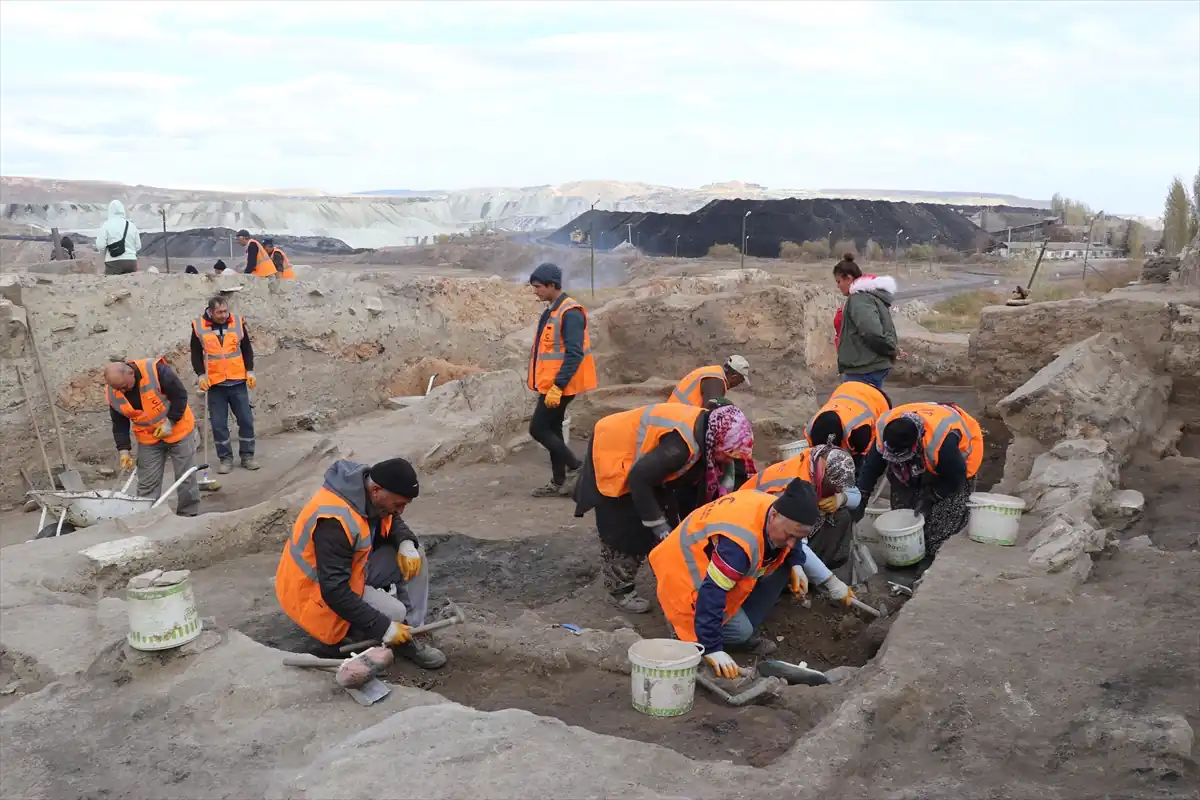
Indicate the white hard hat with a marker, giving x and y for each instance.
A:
(740, 365)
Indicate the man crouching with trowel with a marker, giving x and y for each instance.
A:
(353, 565)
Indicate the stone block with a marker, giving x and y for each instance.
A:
(118, 552)
(1075, 475)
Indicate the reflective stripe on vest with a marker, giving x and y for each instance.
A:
(343, 515)
(794, 468)
(684, 429)
(684, 395)
(558, 348)
(688, 540)
(864, 416)
(149, 369)
(202, 328)
(942, 429)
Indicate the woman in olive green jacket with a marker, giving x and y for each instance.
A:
(867, 344)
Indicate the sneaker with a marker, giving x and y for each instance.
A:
(632, 602)
(568, 487)
(225, 467)
(249, 463)
(551, 489)
(423, 655)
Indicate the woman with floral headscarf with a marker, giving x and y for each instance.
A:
(645, 470)
(931, 453)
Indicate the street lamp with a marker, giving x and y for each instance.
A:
(744, 218)
(162, 212)
(629, 232)
(896, 250)
(592, 244)
(677, 244)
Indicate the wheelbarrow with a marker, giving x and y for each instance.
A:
(76, 510)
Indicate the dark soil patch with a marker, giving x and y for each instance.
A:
(996, 438)
(1172, 502)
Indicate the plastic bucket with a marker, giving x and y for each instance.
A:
(792, 449)
(865, 533)
(162, 617)
(903, 535)
(663, 678)
(994, 518)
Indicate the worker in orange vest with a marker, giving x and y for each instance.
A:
(258, 263)
(724, 568)
(561, 366)
(223, 360)
(931, 453)
(643, 468)
(706, 385)
(352, 567)
(146, 396)
(847, 420)
(283, 264)
(830, 471)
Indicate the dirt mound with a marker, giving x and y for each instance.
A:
(773, 222)
(214, 243)
(414, 378)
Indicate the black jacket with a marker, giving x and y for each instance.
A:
(246, 347)
(251, 257)
(172, 387)
(950, 477)
(574, 323)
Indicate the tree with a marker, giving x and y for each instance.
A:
(1177, 218)
(1195, 205)
(1073, 212)
(873, 251)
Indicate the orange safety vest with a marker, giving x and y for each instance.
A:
(296, 583)
(154, 406)
(222, 353)
(856, 404)
(775, 478)
(549, 351)
(286, 272)
(619, 440)
(941, 419)
(264, 267)
(688, 390)
(680, 562)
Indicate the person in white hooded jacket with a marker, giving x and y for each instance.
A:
(119, 241)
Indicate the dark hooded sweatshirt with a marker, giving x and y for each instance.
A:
(868, 342)
(573, 324)
(245, 346)
(172, 387)
(335, 553)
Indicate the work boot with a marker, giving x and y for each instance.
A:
(425, 656)
(226, 466)
(756, 646)
(632, 602)
(551, 489)
(568, 487)
(249, 462)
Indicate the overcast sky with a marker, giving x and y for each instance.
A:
(1099, 101)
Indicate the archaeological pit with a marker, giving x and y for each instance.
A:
(1065, 666)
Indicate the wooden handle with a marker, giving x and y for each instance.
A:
(432, 626)
(312, 661)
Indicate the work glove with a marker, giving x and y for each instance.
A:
(830, 505)
(723, 665)
(397, 633)
(126, 459)
(251, 381)
(204, 383)
(838, 590)
(553, 397)
(661, 530)
(798, 582)
(408, 559)
(164, 429)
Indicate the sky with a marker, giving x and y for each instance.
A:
(1099, 101)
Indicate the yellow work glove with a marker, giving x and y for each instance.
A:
(251, 381)
(164, 429)
(830, 505)
(397, 633)
(798, 582)
(204, 383)
(126, 459)
(723, 665)
(553, 397)
(408, 559)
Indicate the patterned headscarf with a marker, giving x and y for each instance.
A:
(833, 468)
(729, 438)
(904, 464)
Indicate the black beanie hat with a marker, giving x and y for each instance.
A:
(799, 503)
(547, 274)
(397, 476)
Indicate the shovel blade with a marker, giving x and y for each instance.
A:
(370, 692)
(71, 481)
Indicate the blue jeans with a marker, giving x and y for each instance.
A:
(875, 378)
(223, 398)
(742, 625)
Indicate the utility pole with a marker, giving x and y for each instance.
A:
(745, 217)
(932, 247)
(162, 212)
(677, 244)
(1088, 248)
(592, 244)
(231, 245)
(896, 250)
(629, 232)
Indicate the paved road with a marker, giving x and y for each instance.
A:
(977, 277)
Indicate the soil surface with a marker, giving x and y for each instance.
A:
(1172, 500)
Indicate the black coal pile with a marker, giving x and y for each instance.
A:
(772, 222)
(214, 243)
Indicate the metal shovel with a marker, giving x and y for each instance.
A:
(70, 478)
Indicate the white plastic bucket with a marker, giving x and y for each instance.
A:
(567, 429)
(663, 679)
(792, 449)
(865, 533)
(162, 617)
(903, 534)
(994, 518)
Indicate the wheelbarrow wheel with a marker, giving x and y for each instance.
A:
(48, 531)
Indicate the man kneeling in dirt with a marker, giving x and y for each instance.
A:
(353, 567)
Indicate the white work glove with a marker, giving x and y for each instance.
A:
(659, 528)
(164, 429)
(798, 582)
(397, 633)
(838, 591)
(723, 665)
(408, 559)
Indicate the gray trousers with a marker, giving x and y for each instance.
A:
(410, 601)
(123, 267)
(152, 463)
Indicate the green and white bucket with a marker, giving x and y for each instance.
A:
(995, 518)
(162, 617)
(663, 678)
